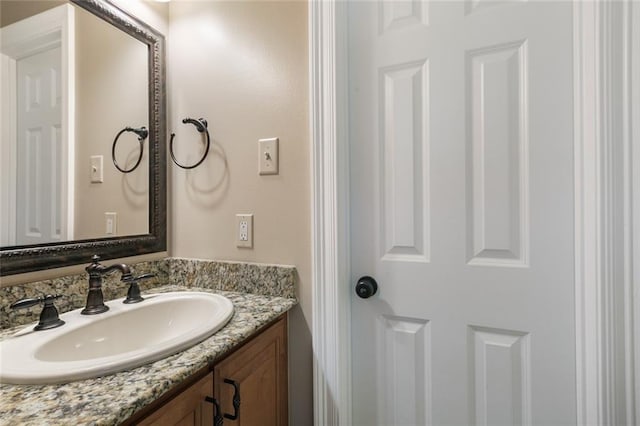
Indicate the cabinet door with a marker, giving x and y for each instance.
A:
(259, 371)
(187, 409)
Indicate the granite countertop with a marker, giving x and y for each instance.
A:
(112, 399)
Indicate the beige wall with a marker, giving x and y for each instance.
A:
(111, 93)
(243, 66)
(15, 10)
(153, 13)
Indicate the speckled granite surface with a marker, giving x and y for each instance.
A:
(254, 278)
(73, 289)
(260, 293)
(112, 399)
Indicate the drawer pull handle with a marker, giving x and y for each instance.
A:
(236, 400)
(217, 418)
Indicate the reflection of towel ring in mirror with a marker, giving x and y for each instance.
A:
(201, 126)
(142, 133)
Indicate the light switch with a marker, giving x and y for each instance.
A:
(97, 175)
(268, 161)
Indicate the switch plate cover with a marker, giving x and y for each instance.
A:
(268, 156)
(97, 175)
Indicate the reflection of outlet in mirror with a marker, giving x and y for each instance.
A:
(244, 230)
(111, 222)
(97, 169)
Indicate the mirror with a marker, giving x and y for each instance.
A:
(112, 74)
(54, 194)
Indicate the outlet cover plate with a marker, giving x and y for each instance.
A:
(244, 230)
(111, 223)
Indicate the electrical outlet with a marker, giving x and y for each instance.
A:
(244, 230)
(111, 223)
(268, 152)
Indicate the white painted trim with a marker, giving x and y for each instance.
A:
(330, 259)
(54, 27)
(8, 124)
(585, 151)
(603, 250)
(587, 213)
(630, 102)
(68, 117)
(634, 201)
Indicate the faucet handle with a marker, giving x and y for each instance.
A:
(33, 301)
(133, 294)
(48, 317)
(144, 277)
(26, 303)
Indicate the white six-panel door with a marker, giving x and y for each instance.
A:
(39, 149)
(461, 125)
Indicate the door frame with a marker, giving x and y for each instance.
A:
(633, 202)
(330, 263)
(51, 28)
(599, 390)
(7, 152)
(606, 307)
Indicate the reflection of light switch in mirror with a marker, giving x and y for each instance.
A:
(96, 169)
(268, 164)
(111, 221)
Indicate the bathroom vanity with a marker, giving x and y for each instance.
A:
(250, 350)
(249, 387)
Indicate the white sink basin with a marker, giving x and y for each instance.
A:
(124, 337)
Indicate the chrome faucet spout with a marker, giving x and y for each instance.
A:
(95, 298)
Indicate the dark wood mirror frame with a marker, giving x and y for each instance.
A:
(16, 260)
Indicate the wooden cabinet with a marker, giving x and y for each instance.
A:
(255, 374)
(188, 408)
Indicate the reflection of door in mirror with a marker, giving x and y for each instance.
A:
(37, 139)
(39, 116)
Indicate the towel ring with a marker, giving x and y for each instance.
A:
(201, 126)
(142, 133)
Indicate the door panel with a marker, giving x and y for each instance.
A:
(403, 124)
(497, 151)
(501, 376)
(462, 209)
(405, 373)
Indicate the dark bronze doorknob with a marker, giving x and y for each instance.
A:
(366, 287)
